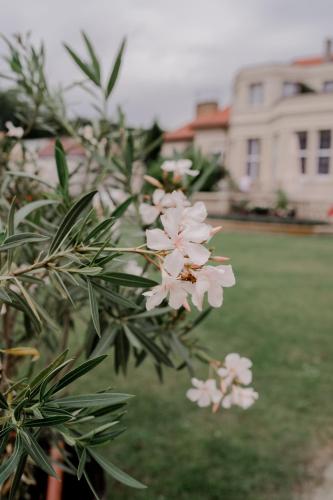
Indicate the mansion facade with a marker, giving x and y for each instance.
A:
(276, 135)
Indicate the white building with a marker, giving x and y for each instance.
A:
(277, 135)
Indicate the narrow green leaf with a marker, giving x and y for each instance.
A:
(38, 379)
(115, 70)
(82, 463)
(118, 474)
(47, 421)
(130, 280)
(50, 376)
(75, 374)
(10, 231)
(82, 65)
(94, 308)
(121, 209)
(151, 314)
(132, 338)
(88, 400)
(21, 239)
(18, 476)
(33, 448)
(153, 348)
(27, 209)
(8, 466)
(114, 296)
(3, 402)
(62, 168)
(94, 59)
(102, 226)
(69, 220)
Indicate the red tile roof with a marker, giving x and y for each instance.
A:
(71, 147)
(217, 119)
(310, 61)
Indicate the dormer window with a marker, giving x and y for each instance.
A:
(256, 94)
(289, 89)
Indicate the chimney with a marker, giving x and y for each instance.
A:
(206, 108)
(328, 50)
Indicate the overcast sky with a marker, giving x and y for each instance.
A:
(178, 50)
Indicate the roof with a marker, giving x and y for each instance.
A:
(310, 61)
(217, 119)
(71, 147)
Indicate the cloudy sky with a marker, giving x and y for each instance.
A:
(178, 52)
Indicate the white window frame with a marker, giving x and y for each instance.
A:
(256, 93)
(252, 159)
(302, 153)
(328, 86)
(292, 86)
(324, 153)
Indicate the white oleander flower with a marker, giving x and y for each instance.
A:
(183, 242)
(236, 368)
(204, 393)
(212, 280)
(172, 288)
(179, 168)
(132, 267)
(160, 202)
(14, 131)
(240, 396)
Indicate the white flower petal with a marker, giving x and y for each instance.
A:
(174, 263)
(193, 394)
(158, 240)
(148, 213)
(197, 253)
(158, 294)
(215, 295)
(227, 278)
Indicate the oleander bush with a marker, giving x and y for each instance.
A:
(103, 265)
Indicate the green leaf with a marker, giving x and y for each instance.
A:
(151, 314)
(83, 66)
(3, 402)
(94, 60)
(39, 378)
(115, 70)
(121, 209)
(75, 374)
(82, 463)
(37, 453)
(4, 295)
(150, 346)
(69, 219)
(88, 400)
(94, 308)
(20, 239)
(47, 421)
(132, 338)
(126, 279)
(62, 168)
(10, 231)
(18, 476)
(114, 296)
(118, 474)
(26, 210)
(50, 376)
(102, 226)
(8, 466)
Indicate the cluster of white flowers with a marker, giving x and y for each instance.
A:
(13, 131)
(182, 255)
(233, 375)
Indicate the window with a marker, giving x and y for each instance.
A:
(328, 86)
(256, 93)
(253, 157)
(302, 138)
(289, 89)
(324, 152)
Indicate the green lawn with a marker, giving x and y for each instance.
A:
(280, 314)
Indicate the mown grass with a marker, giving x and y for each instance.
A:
(280, 314)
